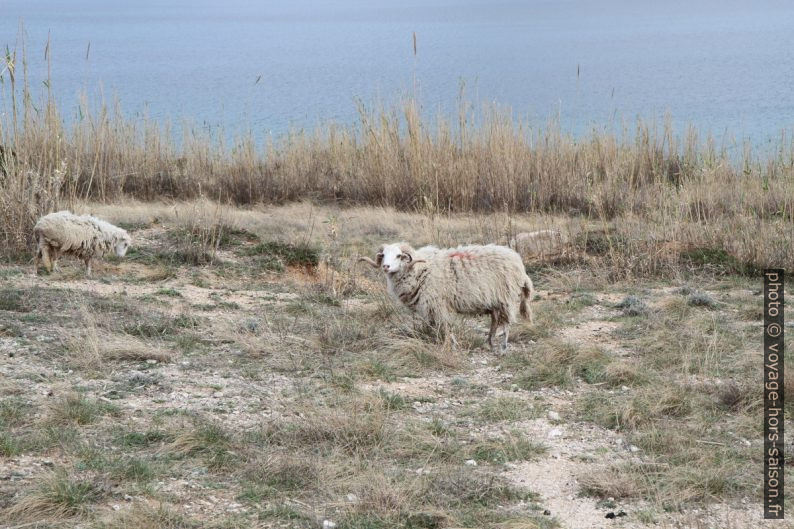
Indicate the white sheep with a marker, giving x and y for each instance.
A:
(537, 244)
(469, 280)
(83, 236)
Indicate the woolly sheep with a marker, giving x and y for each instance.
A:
(537, 244)
(83, 236)
(469, 280)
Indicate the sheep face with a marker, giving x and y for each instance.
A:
(123, 245)
(395, 257)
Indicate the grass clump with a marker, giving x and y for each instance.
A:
(357, 427)
(9, 444)
(469, 488)
(558, 363)
(511, 447)
(701, 299)
(169, 292)
(15, 411)
(77, 409)
(57, 496)
(146, 516)
(141, 439)
(13, 299)
(393, 401)
(161, 325)
(717, 261)
(207, 440)
(630, 412)
(285, 254)
(620, 482)
(498, 409)
(133, 469)
(280, 474)
(633, 306)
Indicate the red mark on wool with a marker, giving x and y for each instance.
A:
(462, 255)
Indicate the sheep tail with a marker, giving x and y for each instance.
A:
(527, 291)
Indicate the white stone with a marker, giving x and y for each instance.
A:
(328, 524)
(471, 462)
(554, 416)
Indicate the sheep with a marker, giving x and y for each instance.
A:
(83, 236)
(470, 280)
(537, 244)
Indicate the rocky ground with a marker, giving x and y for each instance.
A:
(237, 370)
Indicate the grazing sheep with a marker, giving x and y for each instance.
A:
(537, 244)
(84, 236)
(470, 280)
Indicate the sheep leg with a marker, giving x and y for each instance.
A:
(506, 328)
(448, 336)
(37, 260)
(443, 330)
(525, 306)
(56, 253)
(494, 327)
(45, 257)
(88, 267)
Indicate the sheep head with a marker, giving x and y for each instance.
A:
(392, 258)
(123, 244)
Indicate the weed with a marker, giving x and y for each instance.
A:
(633, 306)
(299, 255)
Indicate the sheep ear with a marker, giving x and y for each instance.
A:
(379, 256)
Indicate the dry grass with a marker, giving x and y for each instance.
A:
(156, 517)
(656, 196)
(281, 397)
(57, 496)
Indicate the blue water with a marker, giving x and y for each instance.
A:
(271, 66)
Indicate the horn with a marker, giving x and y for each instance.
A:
(372, 263)
(412, 262)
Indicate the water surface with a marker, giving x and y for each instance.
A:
(269, 66)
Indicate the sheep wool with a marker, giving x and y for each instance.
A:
(538, 244)
(82, 236)
(469, 280)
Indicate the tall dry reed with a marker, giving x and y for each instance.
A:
(661, 186)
